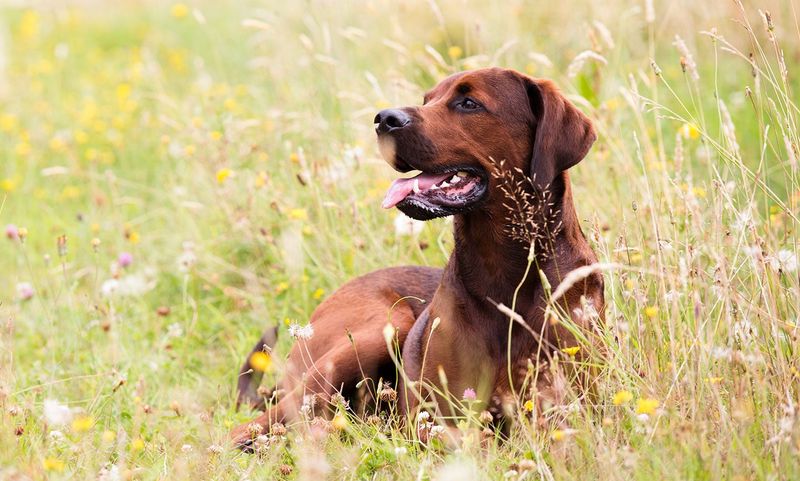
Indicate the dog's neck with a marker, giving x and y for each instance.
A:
(492, 249)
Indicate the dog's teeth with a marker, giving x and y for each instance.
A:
(416, 186)
(434, 187)
(461, 173)
(455, 179)
(445, 184)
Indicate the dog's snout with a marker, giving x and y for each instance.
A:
(391, 119)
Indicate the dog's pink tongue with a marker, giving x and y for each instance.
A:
(401, 188)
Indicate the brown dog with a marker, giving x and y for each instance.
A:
(493, 146)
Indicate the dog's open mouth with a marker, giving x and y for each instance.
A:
(429, 195)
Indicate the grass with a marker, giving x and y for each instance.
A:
(225, 151)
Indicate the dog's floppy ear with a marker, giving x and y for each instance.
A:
(563, 133)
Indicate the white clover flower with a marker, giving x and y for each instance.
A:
(56, 414)
(436, 431)
(406, 226)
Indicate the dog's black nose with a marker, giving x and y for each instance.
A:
(391, 119)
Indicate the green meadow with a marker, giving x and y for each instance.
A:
(176, 178)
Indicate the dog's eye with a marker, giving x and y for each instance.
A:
(467, 104)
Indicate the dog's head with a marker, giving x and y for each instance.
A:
(466, 126)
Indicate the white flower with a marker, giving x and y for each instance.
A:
(784, 261)
(174, 330)
(109, 287)
(400, 451)
(131, 285)
(110, 472)
(186, 448)
(188, 258)
(25, 290)
(437, 431)
(754, 252)
(304, 332)
(56, 435)
(744, 219)
(56, 414)
(405, 225)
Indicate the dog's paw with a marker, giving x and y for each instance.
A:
(243, 437)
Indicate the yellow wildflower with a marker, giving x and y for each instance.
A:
(29, 24)
(223, 174)
(123, 92)
(622, 397)
(339, 421)
(261, 179)
(714, 380)
(318, 293)
(70, 192)
(133, 237)
(179, 10)
(137, 445)
(8, 184)
(261, 361)
(558, 435)
(455, 52)
(109, 436)
(294, 157)
(282, 286)
(528, 406)
(689, 131)
(651, 311)
(53, 464)
(80, 137)
(571, 351)
(83, 423)
(298, 214)
(8, 122)
(646, 406)
(215, 135)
